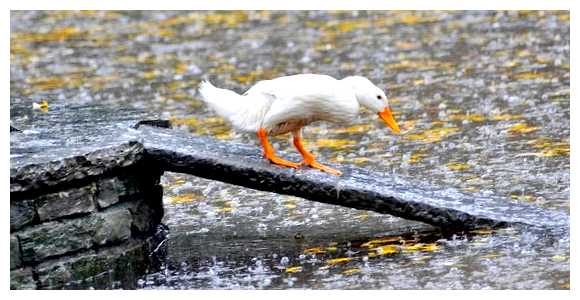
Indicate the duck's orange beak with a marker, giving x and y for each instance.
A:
(387, 116)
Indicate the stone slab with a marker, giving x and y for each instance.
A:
(358, 188)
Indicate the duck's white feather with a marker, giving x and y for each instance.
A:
(243, 112)
(284, 104)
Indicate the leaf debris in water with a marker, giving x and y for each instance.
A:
(432, 135)
(293, 269)
(335, 261)
(521, 128)
(351, 271)
(185, 198)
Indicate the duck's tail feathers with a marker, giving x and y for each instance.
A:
(243, 112)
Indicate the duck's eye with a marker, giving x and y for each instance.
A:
(379, 97)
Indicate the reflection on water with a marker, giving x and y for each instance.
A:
(482, 99)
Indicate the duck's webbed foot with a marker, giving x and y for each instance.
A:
(269, 152)
(310, 159)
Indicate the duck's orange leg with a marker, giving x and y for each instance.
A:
(269, 151)
(309, 158)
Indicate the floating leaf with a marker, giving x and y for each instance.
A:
(505, 117)
(559, 258)
(468, 117)
(432, 135)
(315, 250)
(180, 68)
(173, 184)
(351, 271)
(226, 209)
(50, 83)
(185, 198)
(549, 148)
(334, 143)
(521, 128)
(361, 128)
(331, 249)
(293, 269)
(192, 121)
(527, 198)
(335, 261)
(416, 157)
(421, 247)
(360, 160)
(388, 249)
(362, 216)
(430, 247)
(528, 75)
(56, 35)
(149, 75)
(456, 166)
(381, 241)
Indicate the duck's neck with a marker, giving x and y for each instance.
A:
(352, 82)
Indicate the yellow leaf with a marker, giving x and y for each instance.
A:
(468, 117)
(56, 35)
(148, 75)
(293, 269)
(386, 240)
(226, 209)
(180, 68)
(432, 135)
(362, 216)
(354, 129)
(335, 261)
(430, 248)
(505, 117)
(415, 157)
(559, 258)
(290, 206)
(410, 20)
(528, 75)
(315, 250)
(421, 247)
(185, 198)
(360, 160)
(331, 249)
(193, 122)
(528, 198)
(388, 249)
(521, 128)
(456, 166)
(333, 143)
(351, 271)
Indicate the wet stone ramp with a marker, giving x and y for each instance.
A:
(357, 188)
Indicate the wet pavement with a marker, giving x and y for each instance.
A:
(482, 99)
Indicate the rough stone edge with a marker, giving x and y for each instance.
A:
(35, 178)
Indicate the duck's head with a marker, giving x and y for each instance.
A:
(373, 98)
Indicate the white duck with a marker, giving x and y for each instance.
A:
(286, 104)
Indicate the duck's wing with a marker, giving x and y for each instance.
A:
(309, 100)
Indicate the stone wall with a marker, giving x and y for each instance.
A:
(95, 233)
